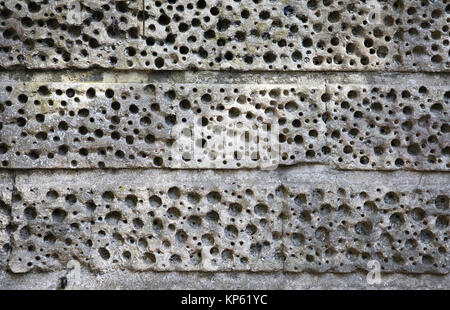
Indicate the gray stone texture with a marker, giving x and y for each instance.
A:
(343, 106)
(6, 190)
(218, 280)
(346, 121)
(291, 219)
(408, 35)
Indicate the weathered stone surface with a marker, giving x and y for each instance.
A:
(126, 279)
(51, 227)
(87, 125)
(348, 121)
(340, 221)
(407, 35)
(146, 220)
(298, 219)
(224, 143)
(5, 217)
(389, 126)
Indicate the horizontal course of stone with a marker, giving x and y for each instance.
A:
(298, 219)
(210, 120)
(403, 35)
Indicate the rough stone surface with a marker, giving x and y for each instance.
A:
(407, 35)
(144, 125)
(385, 127)
(295, 219)
(217, 280)
(224, 144)
(6, 190)
(347, 121)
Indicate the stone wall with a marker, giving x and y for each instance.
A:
(241, 143)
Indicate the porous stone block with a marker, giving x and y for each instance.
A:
(138, 120)
(160, 124)
(299, 219)
(52, 226)
(409, 35)
(389, 126)
(146, 220)
(342, 221)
